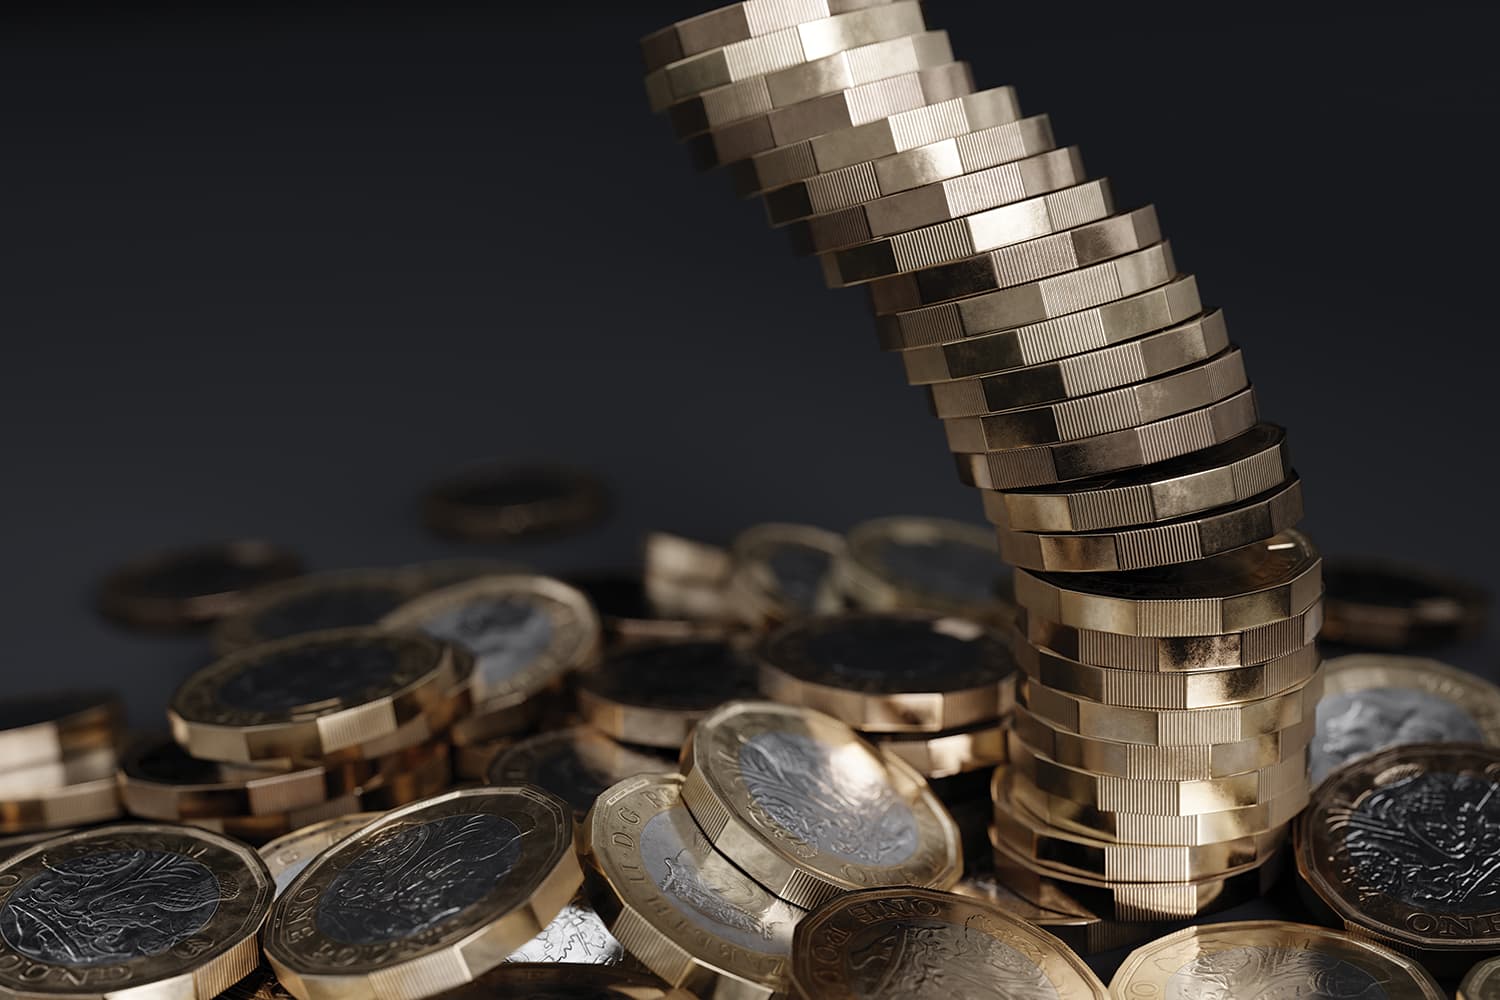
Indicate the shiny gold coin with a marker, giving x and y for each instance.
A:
(288, 855)
(499, 865)
(1269, 958)
(809, 810)
(944, 755)
(1482, 982)
(736, 22)
(496, 502)
(1391, 606)
(1374, 701)
(784, 571)
(315, 695)
(188, 587)
(49, 728)
(575, 764)
(131, 911)
(926, 564)
(917, 944)
(525, 634)
(93, 798)
(690, 916)
(890, 673)
(1250, 587)
(654, 695)
(313, 603)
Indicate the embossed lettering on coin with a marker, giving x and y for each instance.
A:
(934, 960)
(1271, 973)
(1355, 723)
(505, 635)
(112, 906)
(417, 876)
(327, 672)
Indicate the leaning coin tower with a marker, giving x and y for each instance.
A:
(1167, 608)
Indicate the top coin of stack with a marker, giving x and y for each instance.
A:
(1168, 609)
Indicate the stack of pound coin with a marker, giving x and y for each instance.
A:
(58, 754)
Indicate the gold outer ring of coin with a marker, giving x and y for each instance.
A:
(756, 592)
(943, 755)
(78, 804)
(1174, 653)
(1164, 690)
(822, 942)
(1479, 699)
(374, 592)
(653, 696)
(426, 674)
(872, 585)
(718, 795)
(1074, 853)
(228, 950)
(166, 590)
(288, 854)
(1171, 727)
(736, 22)
(1227, 474)
(1150, 901)
(1482, 981)
(1389, 605)
(1257, 954)
(675, 941)
(1132, 760)
(496, 502)
(1247, 588)
(1087, 417)
(49, 728)
(473, 937)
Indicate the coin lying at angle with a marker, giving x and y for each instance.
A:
(562, 981)
(487, 868)
(954, 752)
(288, 855)
(313, 603)
(784, 571)
(131, 910)
(916, 943)
(806, 808)
(1228, 474)
(1387, 605)
(654, 695)
(736, 22)
(575, 764)
(1402, 845)
(692, 917)
(187, 587)
(1268, 958)
(75, 791)
(315, 695)
(576, 936)
(525, 633)
(1371, 702)
(45, 728)
(890, 673)
(1482, 982)
(499, 502)
(687, 579)
(925, 564)
(626, 614)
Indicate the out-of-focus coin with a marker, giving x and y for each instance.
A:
(137, 910)
(1392, 606)
(575, 764)
(435, 574)
(47, 728)
(313, 603)
(926, 564)
(809, 810)
(471, 761)
(1482, 982)
(1266, 958)
(1371, 702)
(654, 695)
(947, 754)
(502, 502)
(286, 856)
(693, 918)
(687, 579)
(312, 696)
(890, 673)
(1402, 846)
(736, 22)
(784, 571)
(576, 936)
(186, 587)
(91, 797)
(491, 867)
(564, 982)
(525, 633)
(916, 943)
(261, 984)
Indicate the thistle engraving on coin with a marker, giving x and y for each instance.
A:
(110, 907)
(935, 960)
(415, 877)
(1355, 723)
(1272, 973)
(575, 936)
(790, 776)
(305, 676)
(505, 635)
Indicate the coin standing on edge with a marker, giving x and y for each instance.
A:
(926, 564)
(1392, 606)
(188, 587)
(917, 944)
(574, 764)
(654, 695)
(427, 897)
(139, 910)
(499, 503)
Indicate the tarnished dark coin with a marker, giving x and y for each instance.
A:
(313, 603)
(425, 898)
(891, 673)
(499, 502)
(1391, 606)
(654, 695)
(926, 564)
(575, 764)
(187, 587)
(140, 910)
(1403, 846)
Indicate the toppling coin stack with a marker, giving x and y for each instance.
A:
(1168, 611)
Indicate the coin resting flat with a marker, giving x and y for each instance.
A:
(925, 564)
(189, 587)
(783, 571)
(506, 502)
(312, 603)
(654, 695)
(574, 764)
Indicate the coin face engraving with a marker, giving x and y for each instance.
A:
(415, 877)
(340, 607)
(944, 568)
(573, 766)
(896, 654)
(1430, 841)
(575, 936)
(686, 676)
(1354, 723)
(839, 811)
(800, 571)
(110, 907)
(927, 959)
(303, 676)
(505, 635)
(1272, 973)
